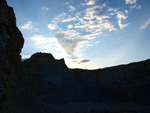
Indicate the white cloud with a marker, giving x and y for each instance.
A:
(45, 8)
(52, 26)
(60, 17)
(91, 2)
(147, 23)
(72, 8)
(96, 12)
(85, 26)
(69, 33)
(69, 26)
(27, 26)
(41, 40)
(130, 1)
(69, 19)
(23, 57)
(121, 17)
(95, 19)
(92, 21)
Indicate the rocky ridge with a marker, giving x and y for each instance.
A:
(42, 84)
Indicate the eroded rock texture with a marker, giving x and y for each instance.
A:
(42, 84)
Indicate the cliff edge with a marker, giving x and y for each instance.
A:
(42, 84)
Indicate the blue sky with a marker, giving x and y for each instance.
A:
(89, 34)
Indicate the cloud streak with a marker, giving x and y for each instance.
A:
(45, 8)
(84, 61)
(147, 23)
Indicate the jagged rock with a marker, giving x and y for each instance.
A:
(14, 96)
(42, 84)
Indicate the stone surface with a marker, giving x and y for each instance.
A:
(14, 96)
(42, 84)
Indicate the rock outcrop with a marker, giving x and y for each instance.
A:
(14, 97)
(42, 84)
(11, 43)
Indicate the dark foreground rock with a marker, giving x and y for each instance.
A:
(43, 84)
(57, 86)
(14, 95)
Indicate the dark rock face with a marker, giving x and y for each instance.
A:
(54, 83)
(41, 84)
(14, 98)
(11, 43)
(58, 84)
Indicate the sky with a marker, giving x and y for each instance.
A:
(88, 34)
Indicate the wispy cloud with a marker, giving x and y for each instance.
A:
(95, 20)
(147, 23)
(84, 61)
(72, 8)
(81, 28)
(121, 17)
(27, 26)
(45, 8)
(130, 1)
(40, 39)
(135, 6)
(69, 19)
(52, 26)
(91, 2)
(139, 7)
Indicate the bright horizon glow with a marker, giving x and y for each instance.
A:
(89, 34)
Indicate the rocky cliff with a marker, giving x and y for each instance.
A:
(42, 84)
(14, 98)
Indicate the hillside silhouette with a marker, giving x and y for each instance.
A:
(42, 84)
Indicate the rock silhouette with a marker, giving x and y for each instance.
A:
(42, 84)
